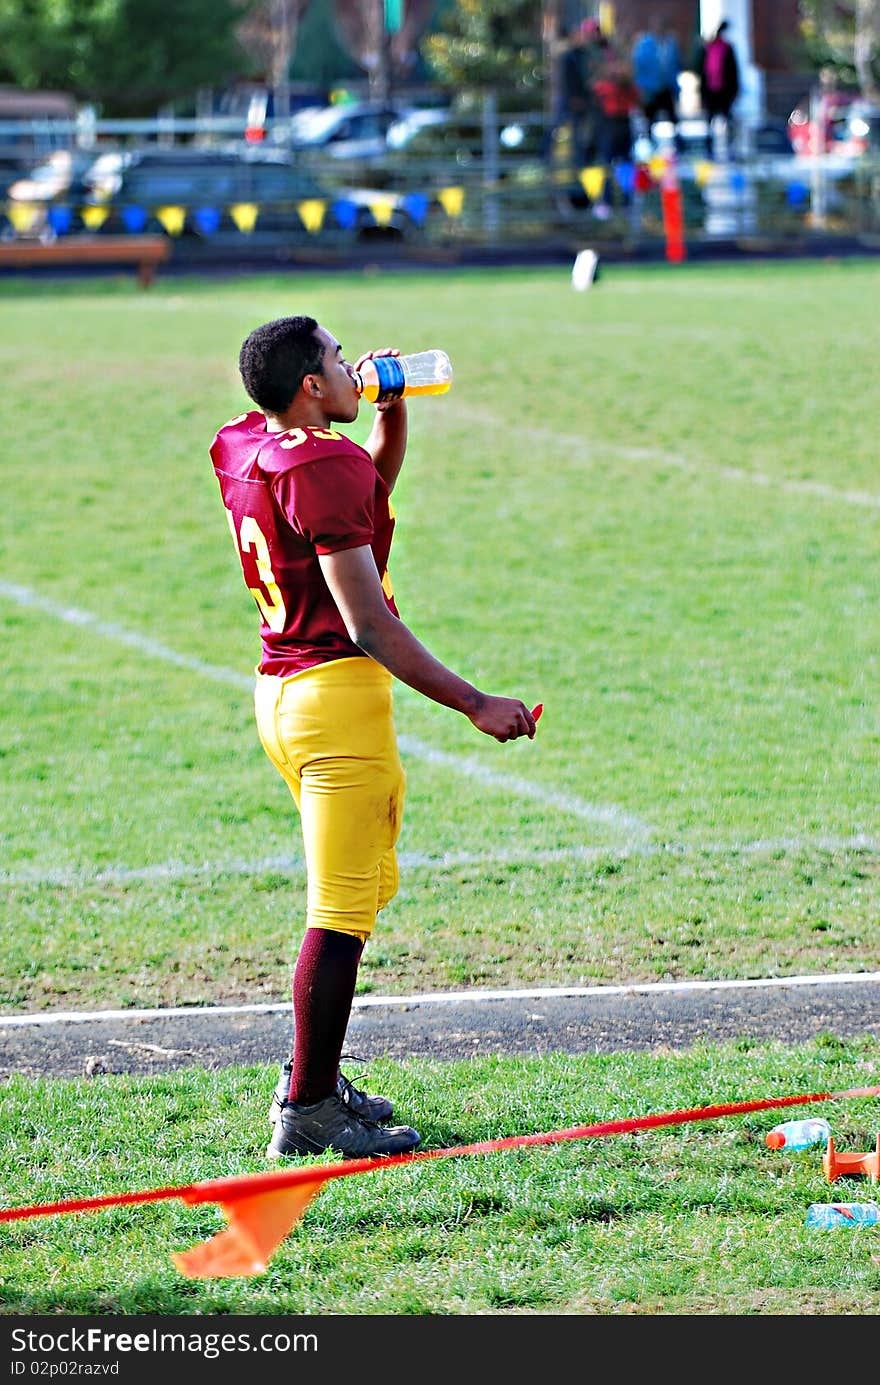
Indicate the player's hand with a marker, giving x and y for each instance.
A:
(505, 718)
(381, 351)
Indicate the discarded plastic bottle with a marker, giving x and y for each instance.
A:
(825, 1214)
(383, 378)
(794, 1135)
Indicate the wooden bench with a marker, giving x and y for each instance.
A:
(146, 252)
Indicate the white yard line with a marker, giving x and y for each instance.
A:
(172, 872)
(576, 445)
(476, 997)
(467, 766)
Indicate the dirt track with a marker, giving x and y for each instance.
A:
(446, 1028)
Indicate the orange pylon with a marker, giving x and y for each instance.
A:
(841, 1165)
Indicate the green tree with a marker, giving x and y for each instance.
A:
(844, 35)
(483, 44)
(126, 56)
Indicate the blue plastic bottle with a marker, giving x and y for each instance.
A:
(794, 1135)
(825, 1214)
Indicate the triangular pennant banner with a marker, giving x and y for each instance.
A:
(134, 218)
(796, 194)
(451, 200)
(94, 217)
(415, 204)
(592, 181)
(60, 218)
(172, 218)
(23, 216)
(703, 171)
(657, 165)
(206, 220)
(344, 212)
(382, 210)
(311, 213)
(625, 176)
(244, 214)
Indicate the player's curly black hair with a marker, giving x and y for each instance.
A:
(275, 358)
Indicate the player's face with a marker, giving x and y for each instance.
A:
(341, 399)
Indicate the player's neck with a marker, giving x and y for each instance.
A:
(305, 413)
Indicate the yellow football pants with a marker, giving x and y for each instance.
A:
(329, 732)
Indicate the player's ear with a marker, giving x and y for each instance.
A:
(312, 386)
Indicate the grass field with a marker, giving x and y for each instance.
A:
(653, 507)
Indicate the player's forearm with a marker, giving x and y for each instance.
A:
(392, 644)
(386, 443)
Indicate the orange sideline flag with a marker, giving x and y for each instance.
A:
(257, 1225)
(261, 1208)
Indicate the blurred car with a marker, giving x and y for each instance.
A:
(60, 174)
(819, 127)
(205, 182)
(208, 183)
(861, 133)
(357, 130)
(402, 131)
(11, 169)
(448, 142)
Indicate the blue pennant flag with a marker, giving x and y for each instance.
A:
(796, 194)
(60, 218)
(625, 176)
(415, 204)
(206, 220)
(344, 213)
(737, 180)
(134, 218)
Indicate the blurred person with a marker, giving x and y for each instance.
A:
(312, 525)
(647, 72)
(574, 105)
(671, 64)
(718, 73)
(617, 98)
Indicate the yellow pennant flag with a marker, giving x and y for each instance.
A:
(94, 217)
(172, 218)
(592, 181)
(657, 167)
(703, 172)
(311, 213)
(382, 210)
(244, 214)
(451, 200)
(23, 216)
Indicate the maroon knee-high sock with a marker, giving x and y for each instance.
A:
(323, 988)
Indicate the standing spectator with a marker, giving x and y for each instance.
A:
(670, 70)
(574, 105)
(617, 98)
(719, 86)
(647, 73)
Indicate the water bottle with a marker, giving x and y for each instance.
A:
(383, 378)
(793, 1135)
(825, 1214)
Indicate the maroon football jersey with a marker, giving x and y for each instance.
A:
(290, 497)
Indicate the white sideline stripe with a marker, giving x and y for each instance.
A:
(819, 489)
(572, 443)
(523, 788)
(171, 871)
(446, 998)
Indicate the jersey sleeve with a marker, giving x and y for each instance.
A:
(329, 502)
